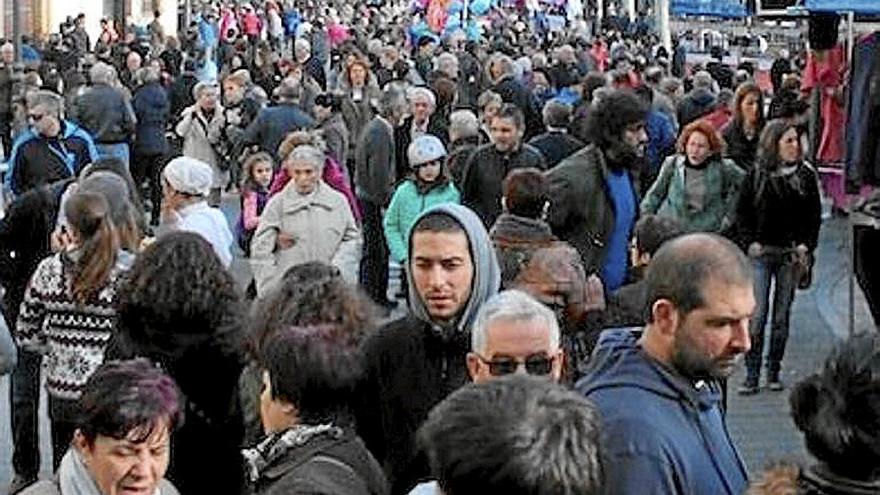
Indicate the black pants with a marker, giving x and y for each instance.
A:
(62, 414)
(866, 241)
(25, 392)
(374, 262)
(147, 168)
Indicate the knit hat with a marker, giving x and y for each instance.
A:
(189, 175)
(425, 149)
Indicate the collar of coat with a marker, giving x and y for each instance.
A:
(322, 197)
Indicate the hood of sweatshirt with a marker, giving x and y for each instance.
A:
(487, 273)
(619, 361)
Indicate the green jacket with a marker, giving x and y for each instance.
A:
(406, 205)
(668, 195)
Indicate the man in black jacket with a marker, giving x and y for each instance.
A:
(415, 362)
(374, 184)
(7, 78)
(106, 113)
(490, 163)
(421, 121)
(556, 144)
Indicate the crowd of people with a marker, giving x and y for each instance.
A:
(589, 237)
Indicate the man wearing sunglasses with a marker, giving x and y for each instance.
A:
(657, 388)
(51, 149)
(515, 334)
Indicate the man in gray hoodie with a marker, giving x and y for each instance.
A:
(413, 363)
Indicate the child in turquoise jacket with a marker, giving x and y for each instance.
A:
(428, 185)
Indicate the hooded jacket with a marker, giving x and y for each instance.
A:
(663, 434)
(413, 363)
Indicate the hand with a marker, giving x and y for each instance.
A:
(284, 241)
(755, 250)
(802, 249)
(59, 240)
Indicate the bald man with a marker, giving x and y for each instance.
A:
(657, 387)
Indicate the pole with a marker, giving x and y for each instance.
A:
(663, 23)
(16, 28)
(600, 13)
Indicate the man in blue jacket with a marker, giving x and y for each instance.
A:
(51, 149)
(657, 388)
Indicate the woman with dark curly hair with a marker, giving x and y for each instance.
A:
(180, 309)
(308, 294)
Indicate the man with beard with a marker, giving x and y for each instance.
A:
(593, 203)
(657, 389)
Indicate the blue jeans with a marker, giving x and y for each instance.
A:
(780, 269)
(115, 150)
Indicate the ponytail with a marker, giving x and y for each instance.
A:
(89, 216)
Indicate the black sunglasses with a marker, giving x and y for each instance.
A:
(536, 364)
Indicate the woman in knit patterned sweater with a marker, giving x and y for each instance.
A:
(69, 309)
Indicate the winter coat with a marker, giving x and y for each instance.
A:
(532, 259)
(375, 162)
(626, 307)
(273, 124)
(323, 228)
(664, 434)
(459, 153)
(151, 108)
(668, 196)
(779, 210)
(486, 170)
(357, 114)
(334, 176)
(36, 160)
(406, 205)
(337, 138)
(403, 138)
(106, 113)
(7, 80)
(556, 146)
(740, 148)
(322, 460)
(51, 487)
(694, 105)
(413, 363)
(200, 136)
(581, 211)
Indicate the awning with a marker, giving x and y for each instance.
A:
(857, 6)
(711, 8)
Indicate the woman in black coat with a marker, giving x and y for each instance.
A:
(743, 131)
(180, 309)
(778, 219)
(152, 109)
(307, 410)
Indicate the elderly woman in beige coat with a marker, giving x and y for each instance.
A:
(201, 128)
(307, 221)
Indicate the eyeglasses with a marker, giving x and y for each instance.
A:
(536, 364)
(36, 117)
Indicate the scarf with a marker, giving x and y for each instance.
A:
(274, 447)
(74, 478)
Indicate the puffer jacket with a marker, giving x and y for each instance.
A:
(406, 205)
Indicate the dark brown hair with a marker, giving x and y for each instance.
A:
(89, 216)
(525, 192)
